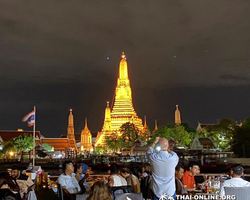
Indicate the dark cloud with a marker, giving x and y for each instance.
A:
(234, 77)
(54, 55)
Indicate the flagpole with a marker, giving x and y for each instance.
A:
(34, 137)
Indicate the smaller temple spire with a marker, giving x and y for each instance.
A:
(70, 130)
(177, 116)
(145, 122)
(156, 127)
(71, 118)
(86, 124)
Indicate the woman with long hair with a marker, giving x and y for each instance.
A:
(8, 189)
(99, 191)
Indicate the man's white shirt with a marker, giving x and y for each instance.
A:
(69, 182)
(233, 182)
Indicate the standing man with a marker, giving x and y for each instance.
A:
(163, 169)
(68, 182)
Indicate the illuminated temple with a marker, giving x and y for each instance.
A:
(122, 110)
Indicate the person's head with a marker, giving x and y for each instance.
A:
(147, 168)
(78, 168)
(68, 167)
(193, 168)
(114, 169)
(164, 144)
(231, 169)
(137, 171)
(15, 171)
(179, 171)
(125, 172)
(6, 180)
(238, 171)
(99, 191)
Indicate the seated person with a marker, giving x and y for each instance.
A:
(179, 171)
(80, 177)
(188, 180)
(115, 179)
(99, 191)
(8, 189)
(230, 172)
(200, 180)
(235, 181)
(68, 182)
(24, 182)
(131, 179)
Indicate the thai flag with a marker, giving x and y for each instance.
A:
(29, 118)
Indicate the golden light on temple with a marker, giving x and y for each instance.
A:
(177, 116)
(122, 110)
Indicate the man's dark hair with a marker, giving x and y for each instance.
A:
(16, 167)
(179, 167)
(65, 164)
(77, 166)
(192, 163)
(114, 168)
(238, 170)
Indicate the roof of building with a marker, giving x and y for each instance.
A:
(59, 144)
(200, 143)
(7, 135)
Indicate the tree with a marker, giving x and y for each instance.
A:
(41, 153)
(7, 147)
(221, 133)
(241, 139)
(23, 143)
(115, 142)
(178, 133)
(100, 150)
(129, 132)
(47, 147)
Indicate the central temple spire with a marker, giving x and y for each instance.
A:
(123, 70)
(122, 110)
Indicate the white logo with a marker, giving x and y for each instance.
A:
(166, 197)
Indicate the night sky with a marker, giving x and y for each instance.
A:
(59, 55)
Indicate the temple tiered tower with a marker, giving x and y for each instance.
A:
(86, 138)
(122, 110)
(70, 131)
(177, 116)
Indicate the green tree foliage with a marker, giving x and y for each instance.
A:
(127, 134)
(178, 133)
(41, 153)
(7, 147)
(47, 147)
(221, 133)
(100, 150)
(115, 142)
(241, 139)
(23, 143)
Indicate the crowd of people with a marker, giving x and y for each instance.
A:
(163, 175)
